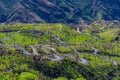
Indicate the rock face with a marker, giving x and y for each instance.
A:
(53, 11)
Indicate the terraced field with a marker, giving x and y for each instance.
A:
(59, 52)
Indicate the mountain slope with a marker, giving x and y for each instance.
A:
(54, 11)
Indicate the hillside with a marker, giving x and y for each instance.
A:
(59, 39)
(54, 11)
(58, 52)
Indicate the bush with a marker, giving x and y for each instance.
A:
(60, 78)
(27, 76)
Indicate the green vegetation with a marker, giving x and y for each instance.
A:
(58, 52)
